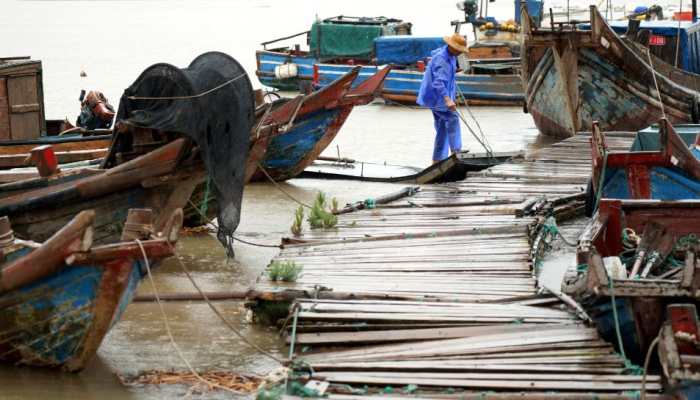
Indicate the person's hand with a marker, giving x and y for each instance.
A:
(450, 104)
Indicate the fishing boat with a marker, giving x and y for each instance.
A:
(576, 76)
(340, 43)
(59, 298)
(154, 161)
(319, 119)
(642, 252)
(661, 165)
(291, 133)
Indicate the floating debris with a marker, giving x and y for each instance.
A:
(203, 382)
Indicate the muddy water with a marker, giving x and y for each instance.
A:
(113, 41)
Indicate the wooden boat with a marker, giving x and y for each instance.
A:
(319, 119)
(574, 77)
(68, 149)
(150, 164)
(290, 134)
(339, 44)
(670, 170)
(645, 276)
(454, 168)
(59, 299)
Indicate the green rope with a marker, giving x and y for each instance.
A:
(370, 203)
(204, 207)
(629, 366)
(582, 268)
(599, 193)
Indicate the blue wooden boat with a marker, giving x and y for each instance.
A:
(318, 120)
(492, 80)
(575, 76)
(59, 299)
(662, 165)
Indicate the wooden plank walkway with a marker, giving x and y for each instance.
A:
(436, 290)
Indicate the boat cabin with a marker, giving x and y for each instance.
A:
(21, 99)
(661, 37)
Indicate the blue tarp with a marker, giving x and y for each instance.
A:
(404, 50)
(534, 7)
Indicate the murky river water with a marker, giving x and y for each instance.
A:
(113, 41)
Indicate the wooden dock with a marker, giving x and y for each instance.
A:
(433, 294)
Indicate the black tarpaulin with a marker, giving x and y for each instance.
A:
(212, 102)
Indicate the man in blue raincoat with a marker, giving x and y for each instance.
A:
(437, 92)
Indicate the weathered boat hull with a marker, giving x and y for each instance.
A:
(61, 320)
(291, 152)
(399, 85)
(59, 299)
(38, 208)
(575, 77)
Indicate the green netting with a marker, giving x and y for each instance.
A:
(328, 40)
(648, 139)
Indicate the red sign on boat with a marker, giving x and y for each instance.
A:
(657, 40)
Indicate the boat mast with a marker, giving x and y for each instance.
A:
(695, 10)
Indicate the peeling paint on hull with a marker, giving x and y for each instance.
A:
(60, 320)
(604, 95)
(288, 154)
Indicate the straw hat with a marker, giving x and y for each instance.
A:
(456, 42)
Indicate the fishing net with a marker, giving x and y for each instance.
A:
(212, 102)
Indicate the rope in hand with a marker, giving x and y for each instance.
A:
(482, 139)
(219, 314)
(277, 185)
(214, 89)
(211, 223)
(168, 330)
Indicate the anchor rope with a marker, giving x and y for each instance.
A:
(169, 331)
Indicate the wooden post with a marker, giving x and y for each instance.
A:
(139, 224)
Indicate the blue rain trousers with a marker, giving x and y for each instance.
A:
(439, 81)
(448, 134)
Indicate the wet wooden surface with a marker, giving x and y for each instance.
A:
(437, 290)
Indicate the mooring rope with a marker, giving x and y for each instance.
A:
(678, 34)
(219, 314)
(194, 96)
(280, 188)
(211, 223)
(646, 365)
(482, 139)
(656, 84)
(168, 330)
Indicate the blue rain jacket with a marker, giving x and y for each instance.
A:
(438, 80)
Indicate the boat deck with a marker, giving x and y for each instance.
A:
(435, 294)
